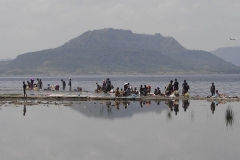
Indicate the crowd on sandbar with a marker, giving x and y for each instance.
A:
(171, 90)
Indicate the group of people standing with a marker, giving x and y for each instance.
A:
(64, 84)
(38, 86)
(173, 88)
(106, 86)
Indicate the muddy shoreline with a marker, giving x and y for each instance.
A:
(16, 97)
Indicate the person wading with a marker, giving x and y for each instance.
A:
(24, 89)
(212, 89)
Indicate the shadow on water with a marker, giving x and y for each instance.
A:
(229, 117)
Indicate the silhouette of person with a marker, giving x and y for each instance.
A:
(117, 104)
(125, 104)
(24, 110)
(170, 105)
(176, 106)
(64, 84)
(141, 103)
(175, 85)
(24, 89)
(212, 89)
(185, 104)
(70, 84)
(212, 106)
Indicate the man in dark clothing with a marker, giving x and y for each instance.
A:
(32, 83)
(175, 85)
(24, 89)
(212, 89)
(108, 84)
(185, 87)
(169, 88)
(64, 84)
(70, 84)
(141, 90)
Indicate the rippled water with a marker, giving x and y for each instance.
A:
(120, 130)
(199, 84)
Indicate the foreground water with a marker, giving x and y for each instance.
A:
(116, 130)
(199, 84)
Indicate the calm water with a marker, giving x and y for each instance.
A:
(199, 84)
(120, 131)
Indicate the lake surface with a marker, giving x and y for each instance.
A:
(199, 84)
(89, 130)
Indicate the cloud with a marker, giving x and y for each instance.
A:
(28, 25)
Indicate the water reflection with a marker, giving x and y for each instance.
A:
(118, 109)
(229, 117)
(176, 106)
(126, 109)
(24, 110)
(169, 115)
(212, 106)
(121, 109)
(170, 104)
(185, 104)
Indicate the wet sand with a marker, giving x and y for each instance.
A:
(100, 97)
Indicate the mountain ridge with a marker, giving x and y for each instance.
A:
(111, 51)
(229, 54)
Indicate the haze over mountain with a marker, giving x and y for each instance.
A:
(229, 54)
(111, 51)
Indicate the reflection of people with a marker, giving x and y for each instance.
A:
(117, 104)
(125, 104)
(176, 106)
(141, 103)
(24, 110)
(212, 107)
(185, 104)
(170, 104)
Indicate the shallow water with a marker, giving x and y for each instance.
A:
(199, 84)
(133, 130)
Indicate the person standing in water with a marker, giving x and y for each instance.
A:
(70, 84)
(185, 87)
(175, 85)
(24, 89)
(212, 89)
(64, 84)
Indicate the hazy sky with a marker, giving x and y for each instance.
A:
(32, 25)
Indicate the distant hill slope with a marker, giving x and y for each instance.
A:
(229, 54)
(111, 51)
